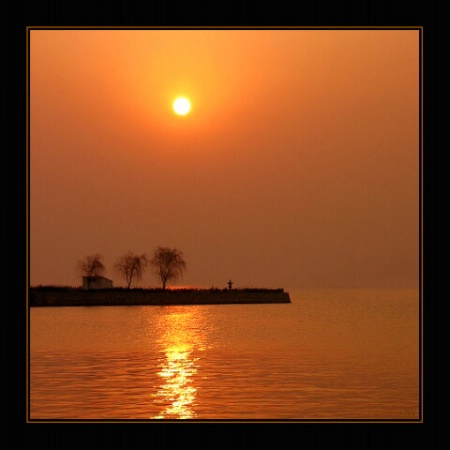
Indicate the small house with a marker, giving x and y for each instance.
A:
(97, 282)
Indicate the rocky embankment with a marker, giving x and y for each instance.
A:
(123, 297)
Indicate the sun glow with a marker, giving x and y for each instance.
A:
(181, 106)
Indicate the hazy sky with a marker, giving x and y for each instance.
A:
(298, 165)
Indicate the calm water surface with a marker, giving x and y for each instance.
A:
(331, 354)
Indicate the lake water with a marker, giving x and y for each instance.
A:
(330, 354)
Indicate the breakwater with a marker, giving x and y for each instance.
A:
(123, 297)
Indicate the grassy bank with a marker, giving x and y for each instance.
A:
(67, 296)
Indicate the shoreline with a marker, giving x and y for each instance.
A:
(45, 297)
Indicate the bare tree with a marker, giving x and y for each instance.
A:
(131, 267)
(91, 266)
(168, 264)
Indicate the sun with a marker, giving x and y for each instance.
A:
(181, 106)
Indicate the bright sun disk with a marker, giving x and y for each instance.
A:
(181, 106)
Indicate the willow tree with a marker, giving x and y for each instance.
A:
(131, 267)
(91, 266)
(168, 264)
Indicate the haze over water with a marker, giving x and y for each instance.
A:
(298, 164)
(331, 354)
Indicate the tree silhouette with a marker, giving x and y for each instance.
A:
(168, 264)
(91, 266)
(131, 267)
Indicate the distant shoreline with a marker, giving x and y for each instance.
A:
(66, 296)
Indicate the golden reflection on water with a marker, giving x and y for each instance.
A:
(176, 395)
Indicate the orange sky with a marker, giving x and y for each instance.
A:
(298, 165)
